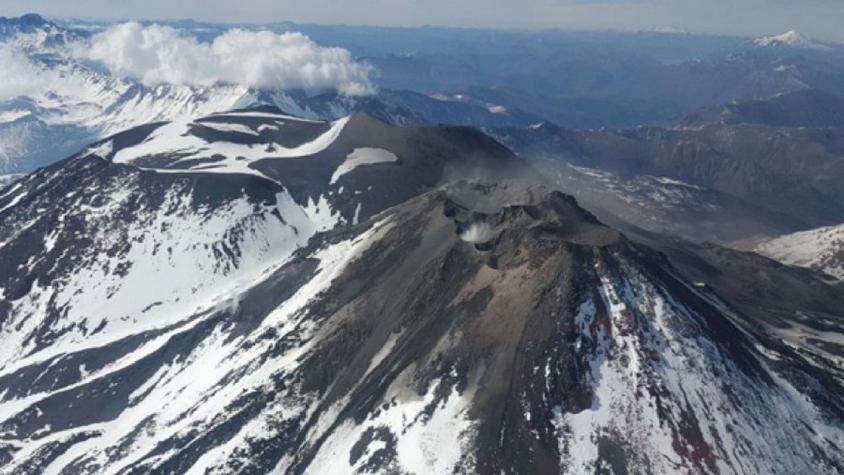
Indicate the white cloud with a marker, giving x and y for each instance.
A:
(22, 77)
(160, 54)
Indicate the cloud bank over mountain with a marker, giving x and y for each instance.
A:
(21, 76)
(160, 54)
(157, 54)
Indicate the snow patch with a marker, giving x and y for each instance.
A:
(363, 156)
(228, 127)
(174, 139)
(102, 150)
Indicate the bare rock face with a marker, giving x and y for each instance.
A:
(451, 327)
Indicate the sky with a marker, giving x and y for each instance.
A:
(821, 19)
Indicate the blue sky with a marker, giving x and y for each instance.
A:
(818, 18)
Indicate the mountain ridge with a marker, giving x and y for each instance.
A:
(357, 313)
(806, 108)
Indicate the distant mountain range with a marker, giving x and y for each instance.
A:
(806, 108)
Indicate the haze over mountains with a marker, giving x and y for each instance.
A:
(461, 77)
(456, 251)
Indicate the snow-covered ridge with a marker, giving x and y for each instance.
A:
(665, 352)
(171, 259)
(821, 249)
(33, 31)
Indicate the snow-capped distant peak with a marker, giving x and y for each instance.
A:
(33, 31)
(791, 38)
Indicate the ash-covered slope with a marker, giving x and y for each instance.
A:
(470, 329)
(784, 176)
(663, 205)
